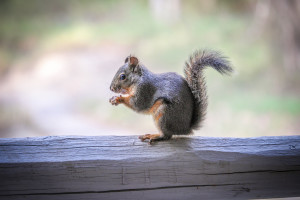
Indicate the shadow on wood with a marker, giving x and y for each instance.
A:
(122, 167)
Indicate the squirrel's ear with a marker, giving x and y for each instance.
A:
(133, 64)
(126, 60)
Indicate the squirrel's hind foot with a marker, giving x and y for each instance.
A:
(154, 137)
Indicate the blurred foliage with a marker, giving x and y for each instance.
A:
(31, 26)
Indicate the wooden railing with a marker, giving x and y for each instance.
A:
(122, 167)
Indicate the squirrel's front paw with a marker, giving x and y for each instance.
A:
(115, 100)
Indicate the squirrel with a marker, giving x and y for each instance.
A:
(178, 105)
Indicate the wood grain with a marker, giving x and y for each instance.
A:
(122, 167)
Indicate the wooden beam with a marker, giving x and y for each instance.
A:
(122, 167)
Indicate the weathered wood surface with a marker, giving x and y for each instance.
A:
(122, 167)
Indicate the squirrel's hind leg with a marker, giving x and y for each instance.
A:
(157, 111)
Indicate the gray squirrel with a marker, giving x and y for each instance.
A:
(178, 105)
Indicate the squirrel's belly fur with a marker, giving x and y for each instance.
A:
(178, 105)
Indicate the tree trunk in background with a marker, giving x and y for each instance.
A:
(284, 18)
(287, 17)
(166, 10)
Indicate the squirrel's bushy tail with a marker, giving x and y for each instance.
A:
(194, 75)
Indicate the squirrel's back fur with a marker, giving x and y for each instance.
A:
(194, 76)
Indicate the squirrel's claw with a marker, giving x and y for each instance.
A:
(114, 100)
(154, 138)
(144, 137)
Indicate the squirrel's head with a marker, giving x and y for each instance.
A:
(126, 76)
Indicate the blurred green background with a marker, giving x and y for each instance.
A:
(57, 59)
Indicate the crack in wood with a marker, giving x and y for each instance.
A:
(246, 172)
(147, 176)
(256, 171)
(123, 176)
(124, 190)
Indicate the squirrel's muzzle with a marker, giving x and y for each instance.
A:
(115, 88)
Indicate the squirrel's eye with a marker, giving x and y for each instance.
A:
(122, 76)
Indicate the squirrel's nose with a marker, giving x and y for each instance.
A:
(111, 88)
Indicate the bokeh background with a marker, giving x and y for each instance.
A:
(57, 59)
